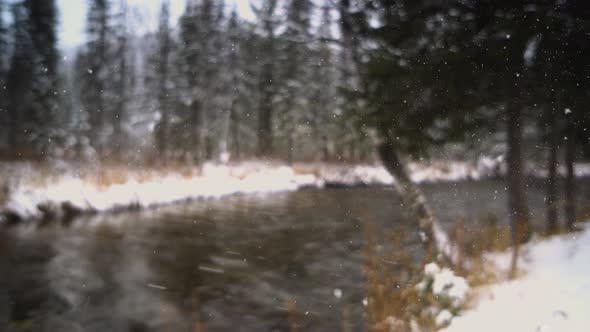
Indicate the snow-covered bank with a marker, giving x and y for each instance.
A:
(552, 295)
(34, 192)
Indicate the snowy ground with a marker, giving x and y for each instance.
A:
(32, 193)
(552, 295)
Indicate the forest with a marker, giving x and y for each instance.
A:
(321, 88)
(335, 81)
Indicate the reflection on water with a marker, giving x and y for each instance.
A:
(228, 265)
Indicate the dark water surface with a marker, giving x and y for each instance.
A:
(231, 264)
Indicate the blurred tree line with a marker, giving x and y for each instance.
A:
(211, 85)
(305, 80)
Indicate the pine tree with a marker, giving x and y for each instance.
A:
(297, 37)
(552, 140)
(124, 78)
(201, 38)
(244, 122)
(233, 86)
(348, 86)
(97, 53)
(570, 176)
(268, 77)
(161, 81)
(45, 100)
(191, 54)
(3, 45)
(323, 88)
(213, 22)
(32, 81)
(3, 41)
(19, 80)
(3, 69)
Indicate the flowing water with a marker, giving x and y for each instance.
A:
(232, 264)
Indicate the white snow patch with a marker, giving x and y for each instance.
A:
(443, 317)
(442, 293)
(552, 296)
(65, 187)
(338, 293)
(214, 181)
(444, 283)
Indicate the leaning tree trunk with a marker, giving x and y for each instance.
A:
(551, 199)
(570, 187)
(433, 238)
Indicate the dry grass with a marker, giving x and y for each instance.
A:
(490, 237)
(583, 215)
(391, 276)
(292, 311)
(390, 279)
(101, 175)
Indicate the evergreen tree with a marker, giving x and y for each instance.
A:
(268, 78)
(201, 36)
(161, 68)
(3, 69)
(244, 122)
(19, 80)
(97, 56)
(233, 87)
(295, 104)
(32, 81)
(323, 88)
(350, 102)
(45, 85)
(3, 42)
(191, 60)
(215, 42)
(124, 80)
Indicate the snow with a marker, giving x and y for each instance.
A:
(552, 295)
(213, 182)
(444, 282)
(26, 197)
(34, 191)
(442, 294)
(443, 317)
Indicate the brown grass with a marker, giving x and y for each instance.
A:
(292, 311)
(105, 174)
(393, 301)
(389, 282)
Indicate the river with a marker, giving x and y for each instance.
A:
(232, 264)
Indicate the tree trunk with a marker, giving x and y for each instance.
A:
(551, 198)
(14, 129)
(120, 109)
(325, 148)
(162, 134)
(265, 115)
(517, 194)
(235, 132)
(433, 238)
(290, 146)
(265, 111)
(196, 122)
(570, 177)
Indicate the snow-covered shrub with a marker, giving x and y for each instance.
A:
(442, 294)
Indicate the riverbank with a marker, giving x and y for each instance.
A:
(48, 191)
(56, 190)
(550, 295)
